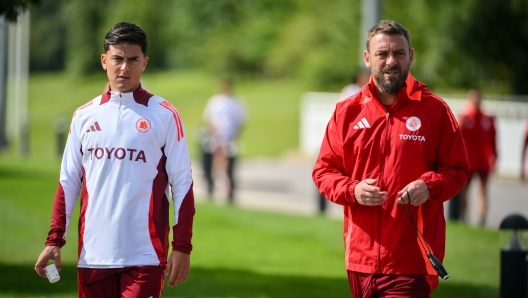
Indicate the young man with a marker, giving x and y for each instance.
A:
(393, 143)
(124, 149)
(478, 131)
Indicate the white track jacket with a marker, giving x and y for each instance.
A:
(122, 153)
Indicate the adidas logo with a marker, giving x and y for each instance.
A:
(363, 123)
(94, 127)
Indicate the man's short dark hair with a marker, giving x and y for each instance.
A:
(128, 33)
(388, 27)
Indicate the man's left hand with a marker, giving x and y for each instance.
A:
(177, 267)
(418, 193)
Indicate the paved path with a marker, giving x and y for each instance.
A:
(285, 185)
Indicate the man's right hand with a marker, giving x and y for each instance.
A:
(49, 253)
(369, 195)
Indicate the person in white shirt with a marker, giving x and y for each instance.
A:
(360, 78)
(124, 149)
(224, 117)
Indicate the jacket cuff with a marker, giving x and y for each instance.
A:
(181, 247)
(55, 238)
(433, 183)
(351, 197)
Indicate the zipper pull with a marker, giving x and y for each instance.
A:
(388, 114)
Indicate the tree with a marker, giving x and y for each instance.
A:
(12, 8)
(494, 40)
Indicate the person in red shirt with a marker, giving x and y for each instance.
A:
(524, 158)
(392, 148)
(478, 131)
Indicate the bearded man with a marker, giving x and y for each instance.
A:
(392, 147)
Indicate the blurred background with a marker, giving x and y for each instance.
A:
(289, 60)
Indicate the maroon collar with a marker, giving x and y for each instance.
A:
(141, 96)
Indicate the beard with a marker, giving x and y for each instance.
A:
(391, 85)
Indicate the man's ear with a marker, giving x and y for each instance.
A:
(103, 61)
(145, 62)
(366, 58)
(411, 57)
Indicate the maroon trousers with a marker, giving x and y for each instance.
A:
(128, 282)
(367, 285)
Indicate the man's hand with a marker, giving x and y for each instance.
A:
(369, 195)
(177, 267)
(49, 253)
(418, 193)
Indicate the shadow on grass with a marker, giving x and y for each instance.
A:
(17, 173)
(20, 280)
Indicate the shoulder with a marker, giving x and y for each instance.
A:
(83, 109)
(351, 105)
(489, 116)
(434, 104)
(437, 109)
(431, 99)
(163, 106)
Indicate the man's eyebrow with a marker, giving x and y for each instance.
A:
(120, 56)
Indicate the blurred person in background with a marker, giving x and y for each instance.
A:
(360, 78)
(224, 117)
(478, 131)
(524, 158)
(125, 147)
(391, 144)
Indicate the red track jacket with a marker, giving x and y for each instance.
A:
(478, 131)
(418, 139)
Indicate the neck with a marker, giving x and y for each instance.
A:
(386, 98)
(115, 89)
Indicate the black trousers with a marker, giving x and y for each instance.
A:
(207, 164)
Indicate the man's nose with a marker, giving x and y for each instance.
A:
(391, 60)
(124, 66)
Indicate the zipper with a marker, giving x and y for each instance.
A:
(385, 141)
(119, 111)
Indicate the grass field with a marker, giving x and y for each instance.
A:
(238, 253)
(273, 107)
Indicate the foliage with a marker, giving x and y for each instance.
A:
(493, 43)
(465, 44)
(316, 41)
(47, 39)
(12, 8)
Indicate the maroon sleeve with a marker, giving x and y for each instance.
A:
(328, 173)
(58, 220)
(182, 231)
(452, 169)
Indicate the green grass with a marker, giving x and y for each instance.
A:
(238, 253)
(273, 107)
